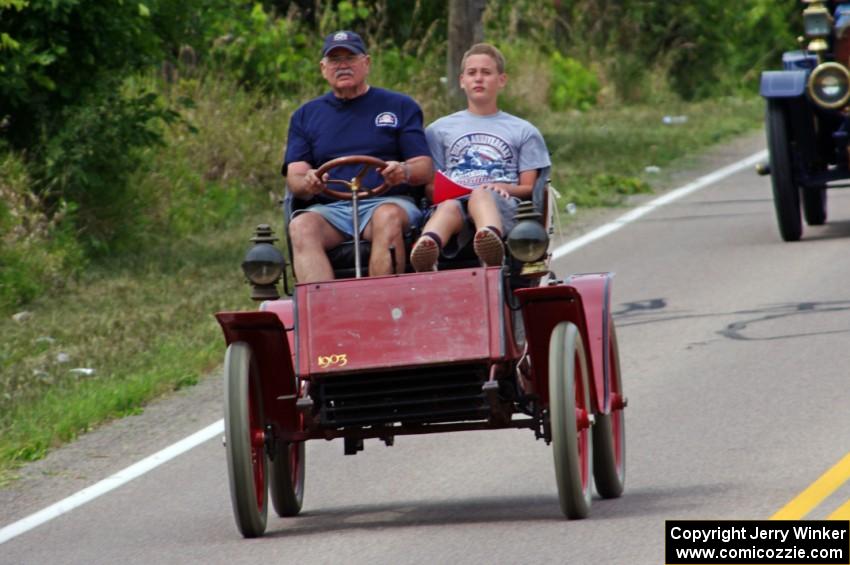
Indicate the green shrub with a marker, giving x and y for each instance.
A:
(415, 74)
(345, 15)
(90, 160)
(36, 253)
(571, 84)
(705, 47)
(54, 52)
(275, 54)
(520, 21)
(227, 164)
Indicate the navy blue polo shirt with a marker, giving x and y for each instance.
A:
(380, 123)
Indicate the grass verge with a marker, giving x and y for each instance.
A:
(601, 157)
(144, 323)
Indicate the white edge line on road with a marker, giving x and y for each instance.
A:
(184, 445)
(110, 483)
(663, 200)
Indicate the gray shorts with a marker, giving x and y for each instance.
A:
(507, 210)
(338, 214)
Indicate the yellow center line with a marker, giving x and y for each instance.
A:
(842, 513)
(817, 492)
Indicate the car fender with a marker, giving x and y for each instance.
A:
(783, 84)
(266, 332)
(583, 300)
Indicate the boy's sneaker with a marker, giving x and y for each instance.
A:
(489, 247)
(424, 255)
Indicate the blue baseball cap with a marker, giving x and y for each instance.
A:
(345, 39)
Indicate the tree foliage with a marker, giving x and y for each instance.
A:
(54, 52)
(707, 47)
(74, 125)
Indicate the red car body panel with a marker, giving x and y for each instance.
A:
(383, 323)
(583, 300)
(440, 318)
(269, 336)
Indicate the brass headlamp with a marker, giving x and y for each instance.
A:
(817, 22)
(829, 85)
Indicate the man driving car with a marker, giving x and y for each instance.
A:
(354, 118)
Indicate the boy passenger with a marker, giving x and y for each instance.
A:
(482, 147)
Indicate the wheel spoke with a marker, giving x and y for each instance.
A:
(367, 163)
(361, 173)
(345, 183)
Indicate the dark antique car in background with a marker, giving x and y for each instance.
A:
(808, 103)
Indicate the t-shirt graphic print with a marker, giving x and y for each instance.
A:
(477, 158)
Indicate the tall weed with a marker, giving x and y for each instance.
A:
(228, 163)
(89, 162)
(270, 53)
(699, 56)
(37, 253)
(600, 157)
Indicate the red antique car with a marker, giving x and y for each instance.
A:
(460, 349)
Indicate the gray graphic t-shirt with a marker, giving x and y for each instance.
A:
(473, 150)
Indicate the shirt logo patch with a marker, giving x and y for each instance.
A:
(386, 120)
(341, 36)
(479, 158)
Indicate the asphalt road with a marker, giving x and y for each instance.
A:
(735, 358)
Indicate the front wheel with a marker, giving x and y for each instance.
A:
(786, 195)
(287, 479)
(814, 206)
(569, 418)
(609, 431)
(247, 465)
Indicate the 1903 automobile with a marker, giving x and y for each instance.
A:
(808, 104)
(463, 348)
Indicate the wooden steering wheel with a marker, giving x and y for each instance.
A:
(353, 185)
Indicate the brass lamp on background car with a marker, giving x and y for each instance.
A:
(829, 84)
(817, 23)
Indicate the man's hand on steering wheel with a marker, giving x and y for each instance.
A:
(353, 185)
(313, 183)
(395, 173)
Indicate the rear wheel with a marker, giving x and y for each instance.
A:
(569, 418)
(609, 432)
(287, 479)
(245, 441)
(814, 205)
(786, 196)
